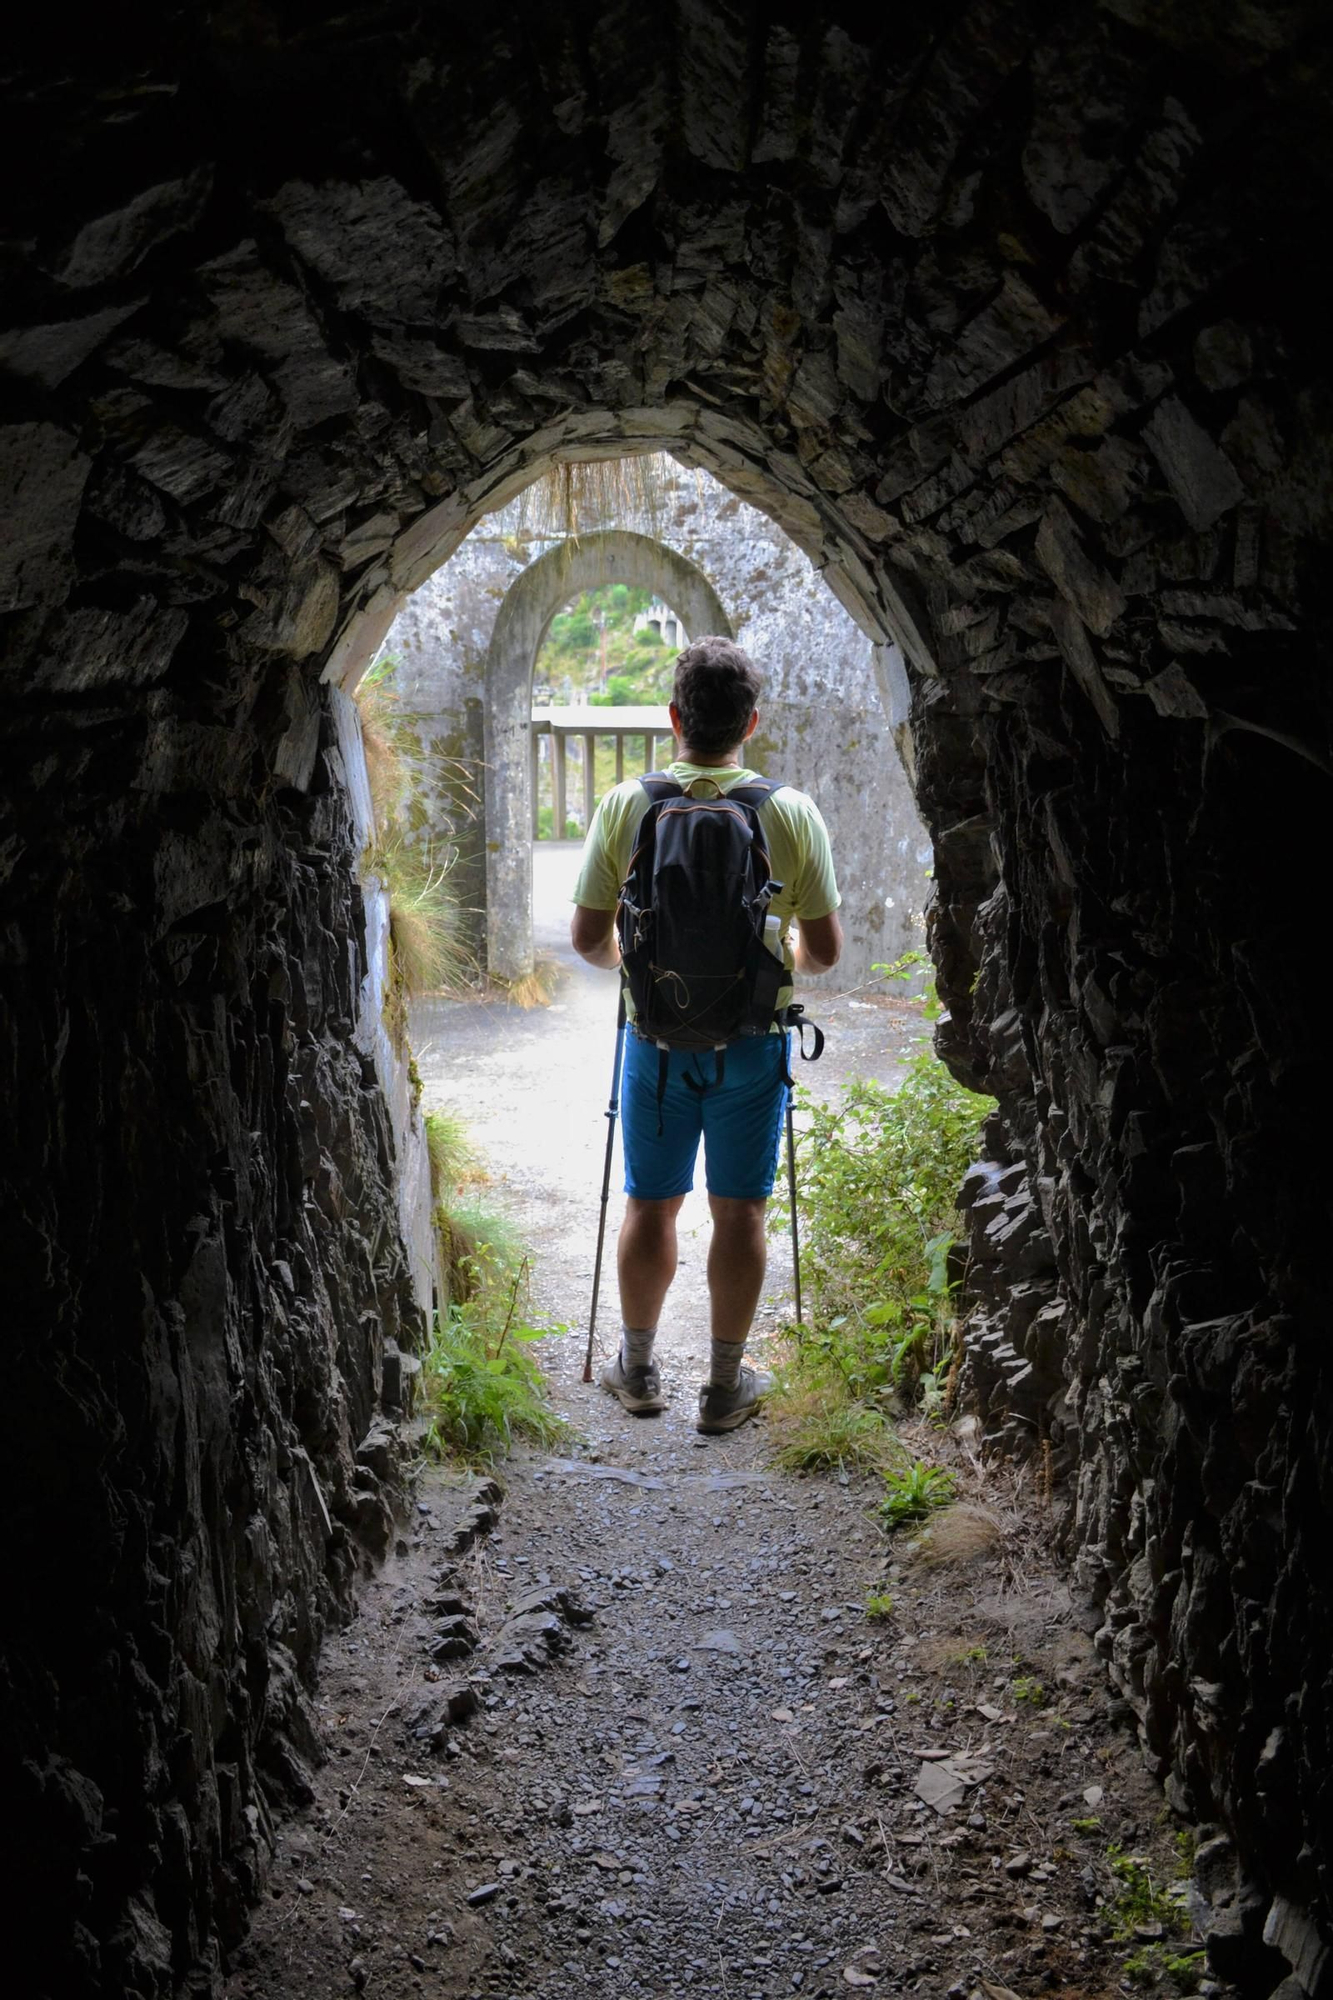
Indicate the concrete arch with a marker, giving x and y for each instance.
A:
(611, 555)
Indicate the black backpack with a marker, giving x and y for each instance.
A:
(691, 917)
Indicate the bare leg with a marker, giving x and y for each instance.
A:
(646, 1258)
(736, 1259)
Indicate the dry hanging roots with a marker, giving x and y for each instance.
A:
(1046, 1473)
(955, 1370)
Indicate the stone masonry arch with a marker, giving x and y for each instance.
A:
(609, 555)
(1000, 311)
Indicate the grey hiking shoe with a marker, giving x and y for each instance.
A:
(639, 1389)
(726, 1409)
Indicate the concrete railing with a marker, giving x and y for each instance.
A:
(650, 725)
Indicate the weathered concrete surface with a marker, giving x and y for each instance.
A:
(392, 1058)
(461, 640)
(998, 311)
(530, 603)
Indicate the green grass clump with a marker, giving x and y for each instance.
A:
(483, 1391)
(452, 1158)
(915, 1492)
(816, 1426)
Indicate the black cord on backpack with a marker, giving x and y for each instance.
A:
(793, 1016)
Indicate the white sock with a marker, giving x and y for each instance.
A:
(636, 1345)
(724, 1369)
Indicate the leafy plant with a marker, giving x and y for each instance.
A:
(483, 1389)
(915, 1492)
(1140, 1905)
(878, 1173)
(1153, 1962)
(912, 967)
(1138, 1901)
(1026, 1688)
(878, 1605)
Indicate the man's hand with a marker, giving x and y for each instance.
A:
(818, 943)
(593, 936)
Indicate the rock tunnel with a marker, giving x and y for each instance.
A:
(1003, 311)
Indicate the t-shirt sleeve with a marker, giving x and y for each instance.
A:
(815, 890)
(600, 872)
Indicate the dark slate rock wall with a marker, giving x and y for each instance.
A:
(1005, 316)
(201, 1267)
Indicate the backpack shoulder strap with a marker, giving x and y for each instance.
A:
(755, 791)
(660, 785)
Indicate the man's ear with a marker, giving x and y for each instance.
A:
(674, 713)
(751, 726)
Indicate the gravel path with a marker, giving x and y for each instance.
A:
(693, 1764)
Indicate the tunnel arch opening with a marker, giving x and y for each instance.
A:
(1021, 364)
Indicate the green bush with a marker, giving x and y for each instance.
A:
(546, 823)
(594, 637)
(573, 631)
(877, 1177)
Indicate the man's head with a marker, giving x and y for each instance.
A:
(717, 686)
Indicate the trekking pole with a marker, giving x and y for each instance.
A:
(611, 1110)
(791, 1185)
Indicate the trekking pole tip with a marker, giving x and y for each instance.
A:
(587, 1371)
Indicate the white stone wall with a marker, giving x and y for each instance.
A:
(824, 725)
(411, 1157)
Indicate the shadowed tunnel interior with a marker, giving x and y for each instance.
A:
(1004, 311)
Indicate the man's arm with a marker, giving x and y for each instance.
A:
(593, 936)
(818, 943)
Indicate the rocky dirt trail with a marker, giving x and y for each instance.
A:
(630, 1730)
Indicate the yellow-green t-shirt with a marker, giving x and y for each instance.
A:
(798, 847)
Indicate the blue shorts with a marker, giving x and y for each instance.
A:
(739, 1120)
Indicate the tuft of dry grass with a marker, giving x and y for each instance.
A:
(383, 729)
(535, 989)
(960, 1534)
(423, 920)
(946, 1654)
(418, 951)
